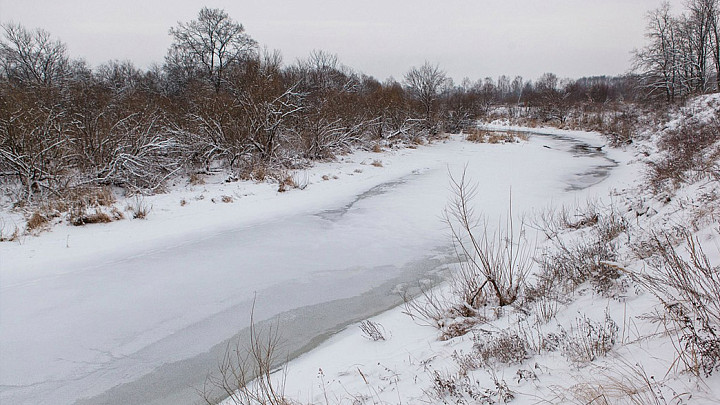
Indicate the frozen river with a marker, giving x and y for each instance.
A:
(146, 325)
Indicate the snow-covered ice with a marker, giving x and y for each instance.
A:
(84, 310)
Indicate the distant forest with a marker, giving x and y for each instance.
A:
(221, 102)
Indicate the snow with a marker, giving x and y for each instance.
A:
(86, 309)
(350, 368)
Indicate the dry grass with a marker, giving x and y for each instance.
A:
(288, 181)
(505, 347)
(690, 152)
(688, 286)
(377, 163)
(587, 340)
(627, 384)
(573, 259)
(139, 208)
(84, 218)
(196, 179)
(478, 135)
(36, 221)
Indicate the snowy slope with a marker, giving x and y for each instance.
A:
(639, 361)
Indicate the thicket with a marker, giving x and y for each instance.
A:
(229, 105)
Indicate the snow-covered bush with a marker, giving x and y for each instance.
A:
(505, 347)
(461, 389)
(573, 258)
(688, 286)
(689, 151)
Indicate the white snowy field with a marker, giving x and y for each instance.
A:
(84, 310)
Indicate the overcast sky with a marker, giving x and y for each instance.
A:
(382, 38)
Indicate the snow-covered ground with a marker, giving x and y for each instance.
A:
(132, 304)
(414, 365)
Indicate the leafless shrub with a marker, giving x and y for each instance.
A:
(377, 163)
(588, 340)
(372, 330)
(689, 289)
(447, 312)
(497, 263)
(246, 375)
(621, 127)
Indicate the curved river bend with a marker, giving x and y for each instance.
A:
(148, 327)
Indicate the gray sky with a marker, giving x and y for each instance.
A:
(382, 38)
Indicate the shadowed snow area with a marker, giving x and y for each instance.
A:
(135, 315)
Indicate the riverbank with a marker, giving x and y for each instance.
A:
(116, 302)
(619, 335)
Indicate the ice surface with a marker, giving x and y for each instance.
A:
(86, 310)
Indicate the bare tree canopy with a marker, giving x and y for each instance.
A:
(426, 84)
(31, 56)
(682, 51)
(207, 46)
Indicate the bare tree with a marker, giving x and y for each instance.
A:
(659, 61)
(712, 8)
(208, 46)
(267, 103)
(34, 147)
(682, 50)
(426, 84)
(32, 56)
(698, 24)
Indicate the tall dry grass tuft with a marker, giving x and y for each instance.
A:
(688, 286)
(247, 374)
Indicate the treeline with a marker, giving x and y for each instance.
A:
(682, 57)
(221, 102)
